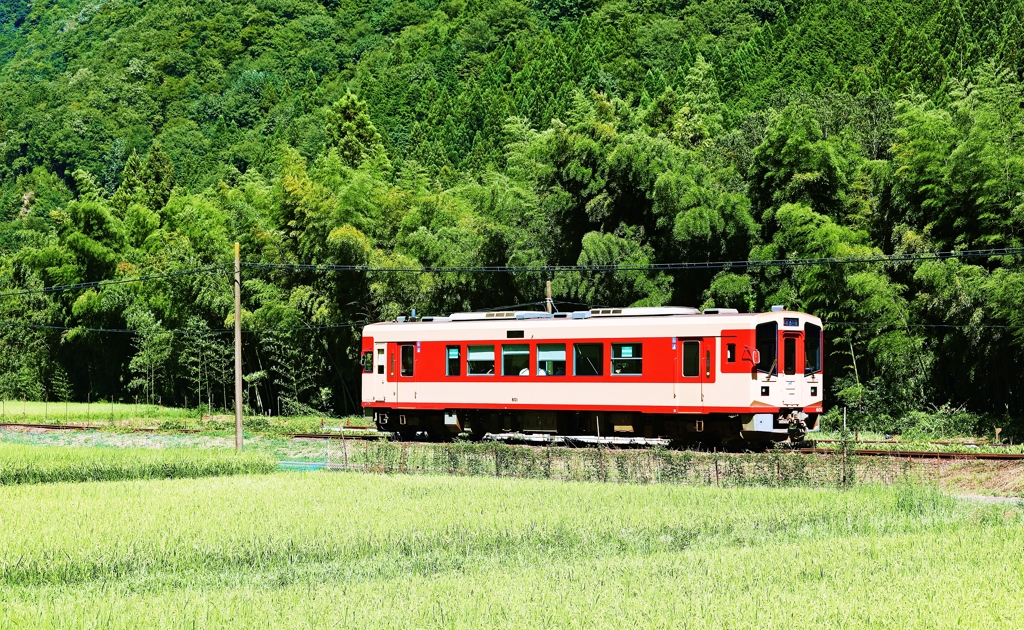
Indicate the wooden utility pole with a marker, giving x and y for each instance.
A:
(238, 348)
(548, 304)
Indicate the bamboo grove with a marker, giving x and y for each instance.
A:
(146, 136)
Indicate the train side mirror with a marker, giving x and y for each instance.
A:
(755, 356)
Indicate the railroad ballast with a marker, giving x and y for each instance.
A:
(667, 372)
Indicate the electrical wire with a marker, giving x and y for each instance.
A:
(221, 331)
(103, 283)
(955, 326)
(676, 266)
(178, 331)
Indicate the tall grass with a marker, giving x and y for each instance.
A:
(369, 551)
(25, 464)
(773, 468)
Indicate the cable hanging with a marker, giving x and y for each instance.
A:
(900, 325)
(103, 283)
(676, 266)
(178, 331)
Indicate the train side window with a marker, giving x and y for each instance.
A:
(588, 359)
(767, 342)
(408, 360)
(367, 362)
(480, 360)
(515, 359)
(627, 359)
(551, 359)
(380, 360)
(730, 353)
(789, 355)
(812, 348)
(452, 359)
(691, 358)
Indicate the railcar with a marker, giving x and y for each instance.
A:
(711, 377)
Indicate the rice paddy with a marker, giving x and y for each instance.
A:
(27, 464)
(335, 549)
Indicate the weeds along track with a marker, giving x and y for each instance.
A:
(912, 454)
(357, 433)
(649, 465)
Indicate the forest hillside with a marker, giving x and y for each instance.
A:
(144, 137)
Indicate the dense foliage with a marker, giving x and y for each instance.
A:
(145, 136)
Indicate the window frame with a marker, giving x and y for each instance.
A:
(788, 365)
(576, 356)
(368, 362)
(516, 353)
(771, 359)
(819, 339)
(730, 353)
(469, 360)
(637, 360)
(402, 347)
(564, 361)
(687, 342)
(448, 360)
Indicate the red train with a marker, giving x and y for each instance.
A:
(648, 373)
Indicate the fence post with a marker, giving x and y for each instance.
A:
(344, 449)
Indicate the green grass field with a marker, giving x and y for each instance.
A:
(328, 549)
(129, 416)
(30, 464)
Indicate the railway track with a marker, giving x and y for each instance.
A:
(85, 427)
(916, 454)
(340, 436)
(93, 427)
(582, 441)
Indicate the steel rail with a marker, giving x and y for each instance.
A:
(913, 454)
(340, 436)
(943, 443)
(91, 427)
(903, 454)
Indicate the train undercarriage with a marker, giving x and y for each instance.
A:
(629, 428)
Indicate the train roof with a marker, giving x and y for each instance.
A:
(648, 321)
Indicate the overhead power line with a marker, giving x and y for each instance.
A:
(103, 283)
(178, 331)
(901, 325)
(675, 266)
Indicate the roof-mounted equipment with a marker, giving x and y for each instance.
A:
(643, 311)
(484, 316)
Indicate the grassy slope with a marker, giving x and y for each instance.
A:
(319, 550)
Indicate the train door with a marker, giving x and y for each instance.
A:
(690, 374)
(406, 369)
(791, 368)
(380, 377)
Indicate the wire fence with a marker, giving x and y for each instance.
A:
(644, 466)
